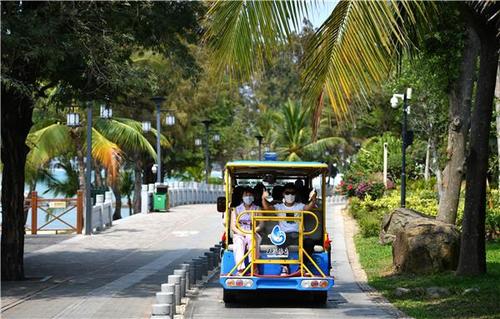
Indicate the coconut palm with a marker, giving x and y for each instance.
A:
(110, 138)
(352, 52)
(293, 138)
(57, 139)
(128, 134)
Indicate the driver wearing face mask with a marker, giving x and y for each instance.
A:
(290, 228)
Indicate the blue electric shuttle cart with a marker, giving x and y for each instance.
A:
(309, 272)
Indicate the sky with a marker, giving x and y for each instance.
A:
(319, 14)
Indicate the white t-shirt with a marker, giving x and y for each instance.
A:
(285, 226)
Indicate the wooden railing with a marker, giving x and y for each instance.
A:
(67, 204)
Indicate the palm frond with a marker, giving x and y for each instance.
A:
(242, 33)
(164, 142)
(323, 144)
(126, 133)
(355, 48)
(46, 143)
(107, 153)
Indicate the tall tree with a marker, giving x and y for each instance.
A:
(497, 111)
(350, 54)
(485, 22)
(85, 46)
(458, 128)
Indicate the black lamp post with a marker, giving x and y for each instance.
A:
(259, 139)
(207, 123)
(406, 109)
(158, 101)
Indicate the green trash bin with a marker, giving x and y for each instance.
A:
(160, 199)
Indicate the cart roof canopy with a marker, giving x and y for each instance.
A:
(257, 169)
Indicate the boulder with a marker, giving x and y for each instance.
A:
(437, 292)
(426, 245)
(401, 292)
(395, 221)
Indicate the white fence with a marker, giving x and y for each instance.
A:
(102, 212)
(183, 193)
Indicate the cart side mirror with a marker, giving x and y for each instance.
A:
(221, 204)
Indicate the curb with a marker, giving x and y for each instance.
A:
(358, 271)
(184, 283)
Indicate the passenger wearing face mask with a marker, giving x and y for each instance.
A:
(291, 228)
(242, 241)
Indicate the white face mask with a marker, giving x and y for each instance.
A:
(247, 200)
(289, 199)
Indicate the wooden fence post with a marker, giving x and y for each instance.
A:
(79, 211)
(34, 213)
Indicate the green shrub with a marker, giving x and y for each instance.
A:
(369, 211)
(369, 226)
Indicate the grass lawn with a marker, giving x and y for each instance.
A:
(377, 260)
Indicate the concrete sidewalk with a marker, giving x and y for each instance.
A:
(115, 273)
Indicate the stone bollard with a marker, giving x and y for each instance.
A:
(192, 273)
(182, 273)
(160, 310)
(198, 266)
(188, 275)
(204, 261)
(216, 255)
(170, 289)
(176, 279)
(209, 260)
(212, 259)
(166, 298)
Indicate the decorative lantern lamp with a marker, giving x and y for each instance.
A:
(106, 111)
(73, 119)
(170, 120)
(146, 126)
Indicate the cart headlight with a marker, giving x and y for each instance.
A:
(239, 283)
(314, 283)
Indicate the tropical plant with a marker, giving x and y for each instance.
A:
(293, 138)
(351, 53)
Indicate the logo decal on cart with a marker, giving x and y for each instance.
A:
(277, 236)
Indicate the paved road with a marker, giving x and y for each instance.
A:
(114, 274)
(345, 299)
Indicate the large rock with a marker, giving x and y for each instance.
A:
(395, 221)
(426, 245)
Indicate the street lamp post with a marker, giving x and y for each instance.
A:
(207, 160)
(406, 109)
(158, 101)
(259, 139)
(88, 171)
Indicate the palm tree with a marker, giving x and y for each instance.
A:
(111, 140)
(127, 133)
(57, 139)
(352, 52)
(293, 138)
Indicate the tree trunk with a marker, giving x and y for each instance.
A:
(460, 106)
(436, 168)
(497, 109)
(98, 177)
(118, 201)
(427, 161)
(129, 202)
(472, 259)
(137, 185)
(16, 124)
